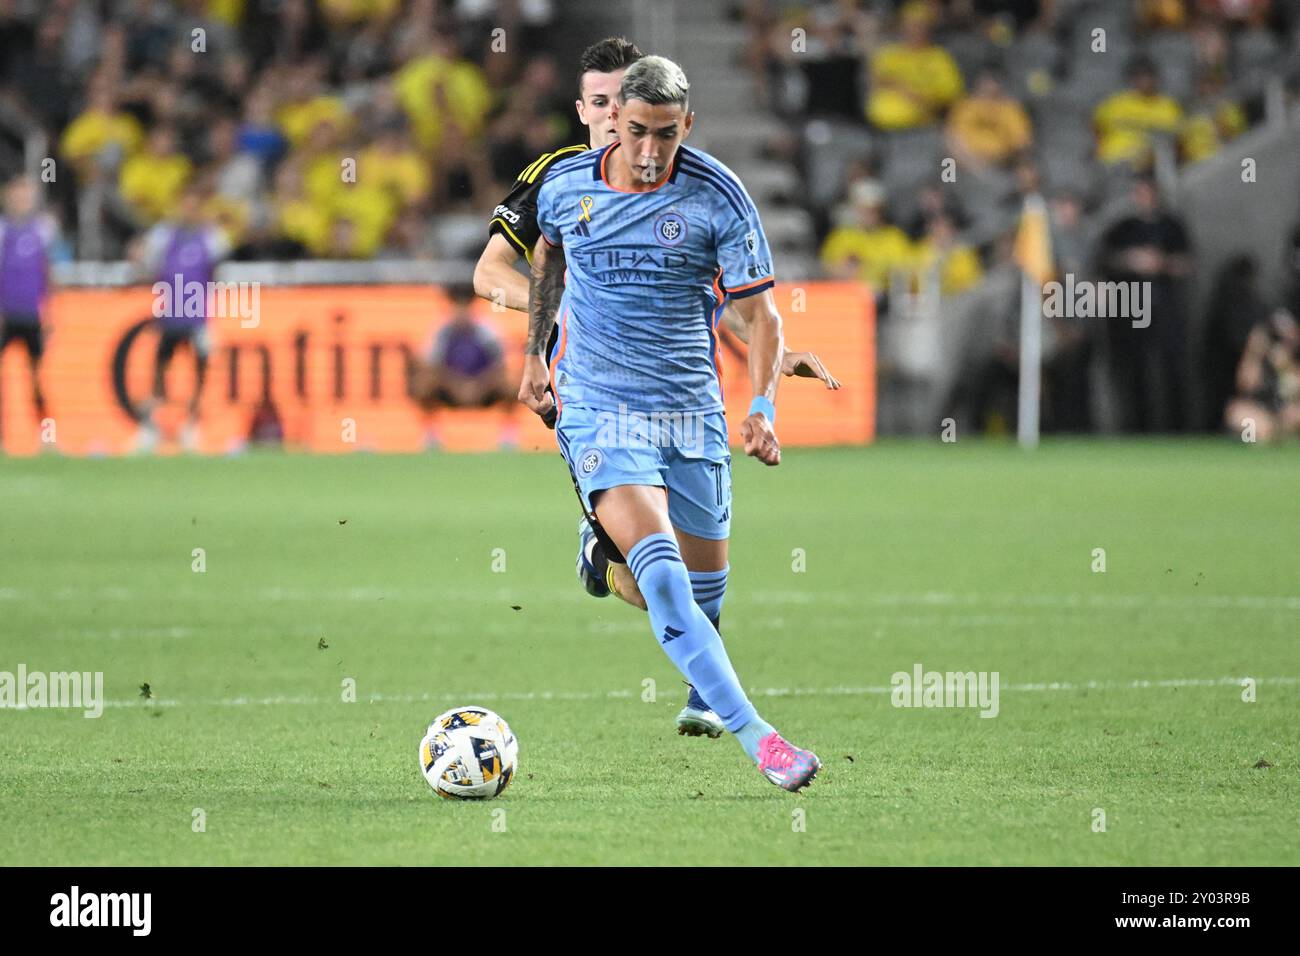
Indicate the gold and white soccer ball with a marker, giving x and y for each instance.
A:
(468, 753)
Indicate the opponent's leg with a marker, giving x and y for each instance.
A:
(147, 437)
(636, 518)
(35, 354)
(199, 344)
(602, 569)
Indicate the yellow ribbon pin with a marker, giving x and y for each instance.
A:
(586, 204)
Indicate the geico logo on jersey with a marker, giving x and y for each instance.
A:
(507, 214)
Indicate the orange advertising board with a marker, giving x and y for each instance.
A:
(335, 360)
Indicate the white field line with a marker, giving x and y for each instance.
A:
(565, 696)
(928, 599)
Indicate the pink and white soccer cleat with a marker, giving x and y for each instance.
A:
(787, 766)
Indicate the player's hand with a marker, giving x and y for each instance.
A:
(532, 390)
(807, 365)
(760, 439)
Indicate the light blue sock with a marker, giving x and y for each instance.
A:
(751, 734)
(708, 588)
(684, 631)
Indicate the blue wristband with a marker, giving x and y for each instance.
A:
(762, 403)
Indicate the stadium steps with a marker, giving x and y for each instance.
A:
(789, 229)
(830, 148)
(733, 125)
(1256, 55)
(734, 141)
(1175, 56)
(768, 181)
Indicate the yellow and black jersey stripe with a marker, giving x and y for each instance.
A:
(515, 217)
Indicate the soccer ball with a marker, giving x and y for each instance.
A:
(468, 753)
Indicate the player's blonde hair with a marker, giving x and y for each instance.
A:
(656, 80)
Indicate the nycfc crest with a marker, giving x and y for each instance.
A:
(670, 229)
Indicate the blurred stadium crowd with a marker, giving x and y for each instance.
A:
(252, 110)
(1079, 102)
(263, 106)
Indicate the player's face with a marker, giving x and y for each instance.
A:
(650, 135)
(191, 208)
(597, 108)
(20, 198)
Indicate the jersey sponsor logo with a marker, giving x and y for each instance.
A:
(590, 461)
(506, 213)
(619, 264)
(751, 241)
(670, 229)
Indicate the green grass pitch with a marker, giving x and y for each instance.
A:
(1119, 690)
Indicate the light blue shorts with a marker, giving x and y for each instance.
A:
(686, 453)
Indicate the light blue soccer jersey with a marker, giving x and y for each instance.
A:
(648, 274)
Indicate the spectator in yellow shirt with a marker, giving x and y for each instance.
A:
(441, 85)
(866, 238)
(323, 163)
(392, 164)
(294, 216)
(988, 128)
(101, 127)
(308, 106)
(350, 13)
(336, 180)
(1212, 121)
(1126, 121)
(914, 81)
(151, 181)
(958, 265)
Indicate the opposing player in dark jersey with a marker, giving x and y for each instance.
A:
(513, 234)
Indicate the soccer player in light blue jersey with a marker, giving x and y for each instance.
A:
(656, 239)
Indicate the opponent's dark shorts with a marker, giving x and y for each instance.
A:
(443, 396)
(29, 333)
(196, 337)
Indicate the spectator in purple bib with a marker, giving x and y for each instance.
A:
(181, 254)
(465, 370)
(26, 235)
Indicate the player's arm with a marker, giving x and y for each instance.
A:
(545, 288)
(802, 364)
(762, 330)
(513, 232)
(496, 278)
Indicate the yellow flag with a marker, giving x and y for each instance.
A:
(1033, 250)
